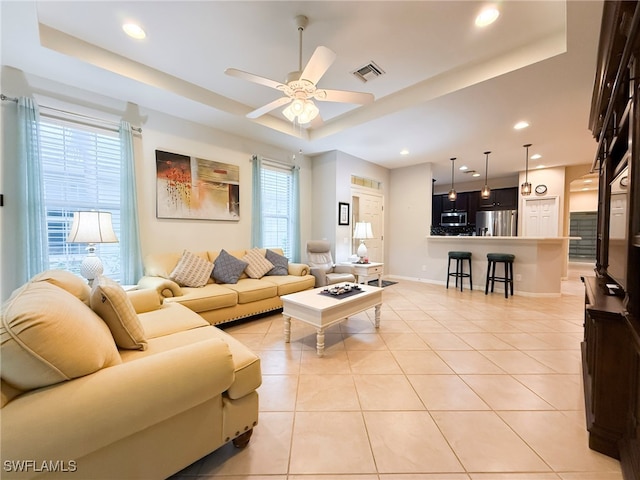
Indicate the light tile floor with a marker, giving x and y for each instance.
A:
(453, 386)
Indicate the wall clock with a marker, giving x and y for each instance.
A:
(541, 189)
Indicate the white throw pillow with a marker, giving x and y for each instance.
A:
(191, 270)
(258, 265)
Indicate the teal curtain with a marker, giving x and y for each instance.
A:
(256, 202)
(295, 216)
(32, 219)
(130, 251)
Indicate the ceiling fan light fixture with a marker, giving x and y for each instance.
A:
(309, 112)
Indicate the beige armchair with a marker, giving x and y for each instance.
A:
(322, 267)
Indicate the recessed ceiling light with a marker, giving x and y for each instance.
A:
(404, 151)
(134, 31)
(585, 189)
(463, 168)
(536, 156)
(476, 174)
(487, 16)
(521, 125)
(539, 166)
(588, 181)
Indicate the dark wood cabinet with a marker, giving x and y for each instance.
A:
(500, 199)
(611, 346)
(436, 210)
(607, 360)
(458, 205)
(472, 202)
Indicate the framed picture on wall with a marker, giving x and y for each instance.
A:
(343, 213)
(194, 188)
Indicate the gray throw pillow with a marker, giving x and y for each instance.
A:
(227, 268)
(280, 263)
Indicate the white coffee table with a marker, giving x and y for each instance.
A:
(322, 311)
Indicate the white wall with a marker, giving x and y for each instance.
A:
(332, 184)
(408, 221)
(161, 132)
(583, 201)
(554, 179)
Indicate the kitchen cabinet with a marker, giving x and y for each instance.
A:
(458, 205)
(436, 210)
(500, 199)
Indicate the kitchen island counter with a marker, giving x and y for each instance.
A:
(539, 267)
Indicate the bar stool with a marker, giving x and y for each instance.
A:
(459, 273)
(507, 259)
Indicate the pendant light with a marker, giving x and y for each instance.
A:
(525, 188)
(486, 191)
(452, 193)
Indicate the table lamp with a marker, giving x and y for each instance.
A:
(91, 227)
(362, 232)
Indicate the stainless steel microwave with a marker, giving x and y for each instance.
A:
(453, 219)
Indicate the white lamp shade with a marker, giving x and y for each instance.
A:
(92, 227)
(363, 230)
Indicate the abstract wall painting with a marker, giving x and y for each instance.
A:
(195, 188)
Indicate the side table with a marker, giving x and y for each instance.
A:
(368, 270)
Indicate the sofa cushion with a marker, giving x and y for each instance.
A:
(291, 283)
(191, 270)
(169, 319)
(227, 268)
(144, 299)
(76, 286)
(48, 336)
(111, 302)
(252, 290)
(280, 263)
(209, 297)
(247, 375)
(257, 264)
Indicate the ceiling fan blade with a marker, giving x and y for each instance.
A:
(234, 72)
(343, 96)
(269, 106)
(318, 64)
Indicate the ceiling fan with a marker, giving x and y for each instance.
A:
(300, 86)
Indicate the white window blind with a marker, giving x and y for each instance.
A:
(81, 169)
(277, 183)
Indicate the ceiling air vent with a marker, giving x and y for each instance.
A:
(368, 72)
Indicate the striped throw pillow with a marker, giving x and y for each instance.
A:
(191, 270)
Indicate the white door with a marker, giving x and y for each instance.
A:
(370, 208)
(540, 217)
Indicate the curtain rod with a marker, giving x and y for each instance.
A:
(65, 112)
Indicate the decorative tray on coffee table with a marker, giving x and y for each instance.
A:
(342, 291)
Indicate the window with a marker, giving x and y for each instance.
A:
(277, 188)
(81, 171)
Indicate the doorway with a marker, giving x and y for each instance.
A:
(368, 206)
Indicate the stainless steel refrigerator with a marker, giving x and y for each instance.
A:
(498, 223)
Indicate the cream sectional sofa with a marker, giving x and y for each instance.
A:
(224, 302)
(77, 404)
